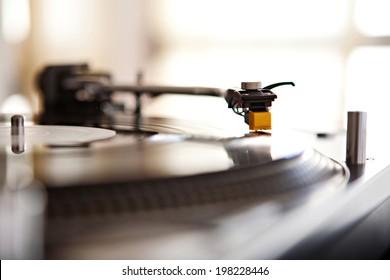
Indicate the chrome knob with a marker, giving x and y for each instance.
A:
(251, 85)
(17, 134)
(356, 138)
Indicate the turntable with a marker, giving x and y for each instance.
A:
(95, 179)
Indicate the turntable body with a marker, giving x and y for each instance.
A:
(174, 183)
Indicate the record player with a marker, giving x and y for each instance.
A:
(94, 178)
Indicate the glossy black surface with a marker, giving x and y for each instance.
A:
(191, 185)
(139, 156)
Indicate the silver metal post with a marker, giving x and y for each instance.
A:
(356, 137)
(17, 134)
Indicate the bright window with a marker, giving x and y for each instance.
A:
(221, 43)
(372, 17)
(334, 50)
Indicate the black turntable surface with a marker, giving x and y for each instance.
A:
(163, 187)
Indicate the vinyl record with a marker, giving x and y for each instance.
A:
(161, 163)
(139, 170)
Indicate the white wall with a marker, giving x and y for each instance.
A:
(211, 43)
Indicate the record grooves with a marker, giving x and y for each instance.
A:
(299, 173)
(88, 170)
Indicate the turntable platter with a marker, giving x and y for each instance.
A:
(137, 171)
(159, 164)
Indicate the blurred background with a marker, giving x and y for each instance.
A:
(336, 51)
